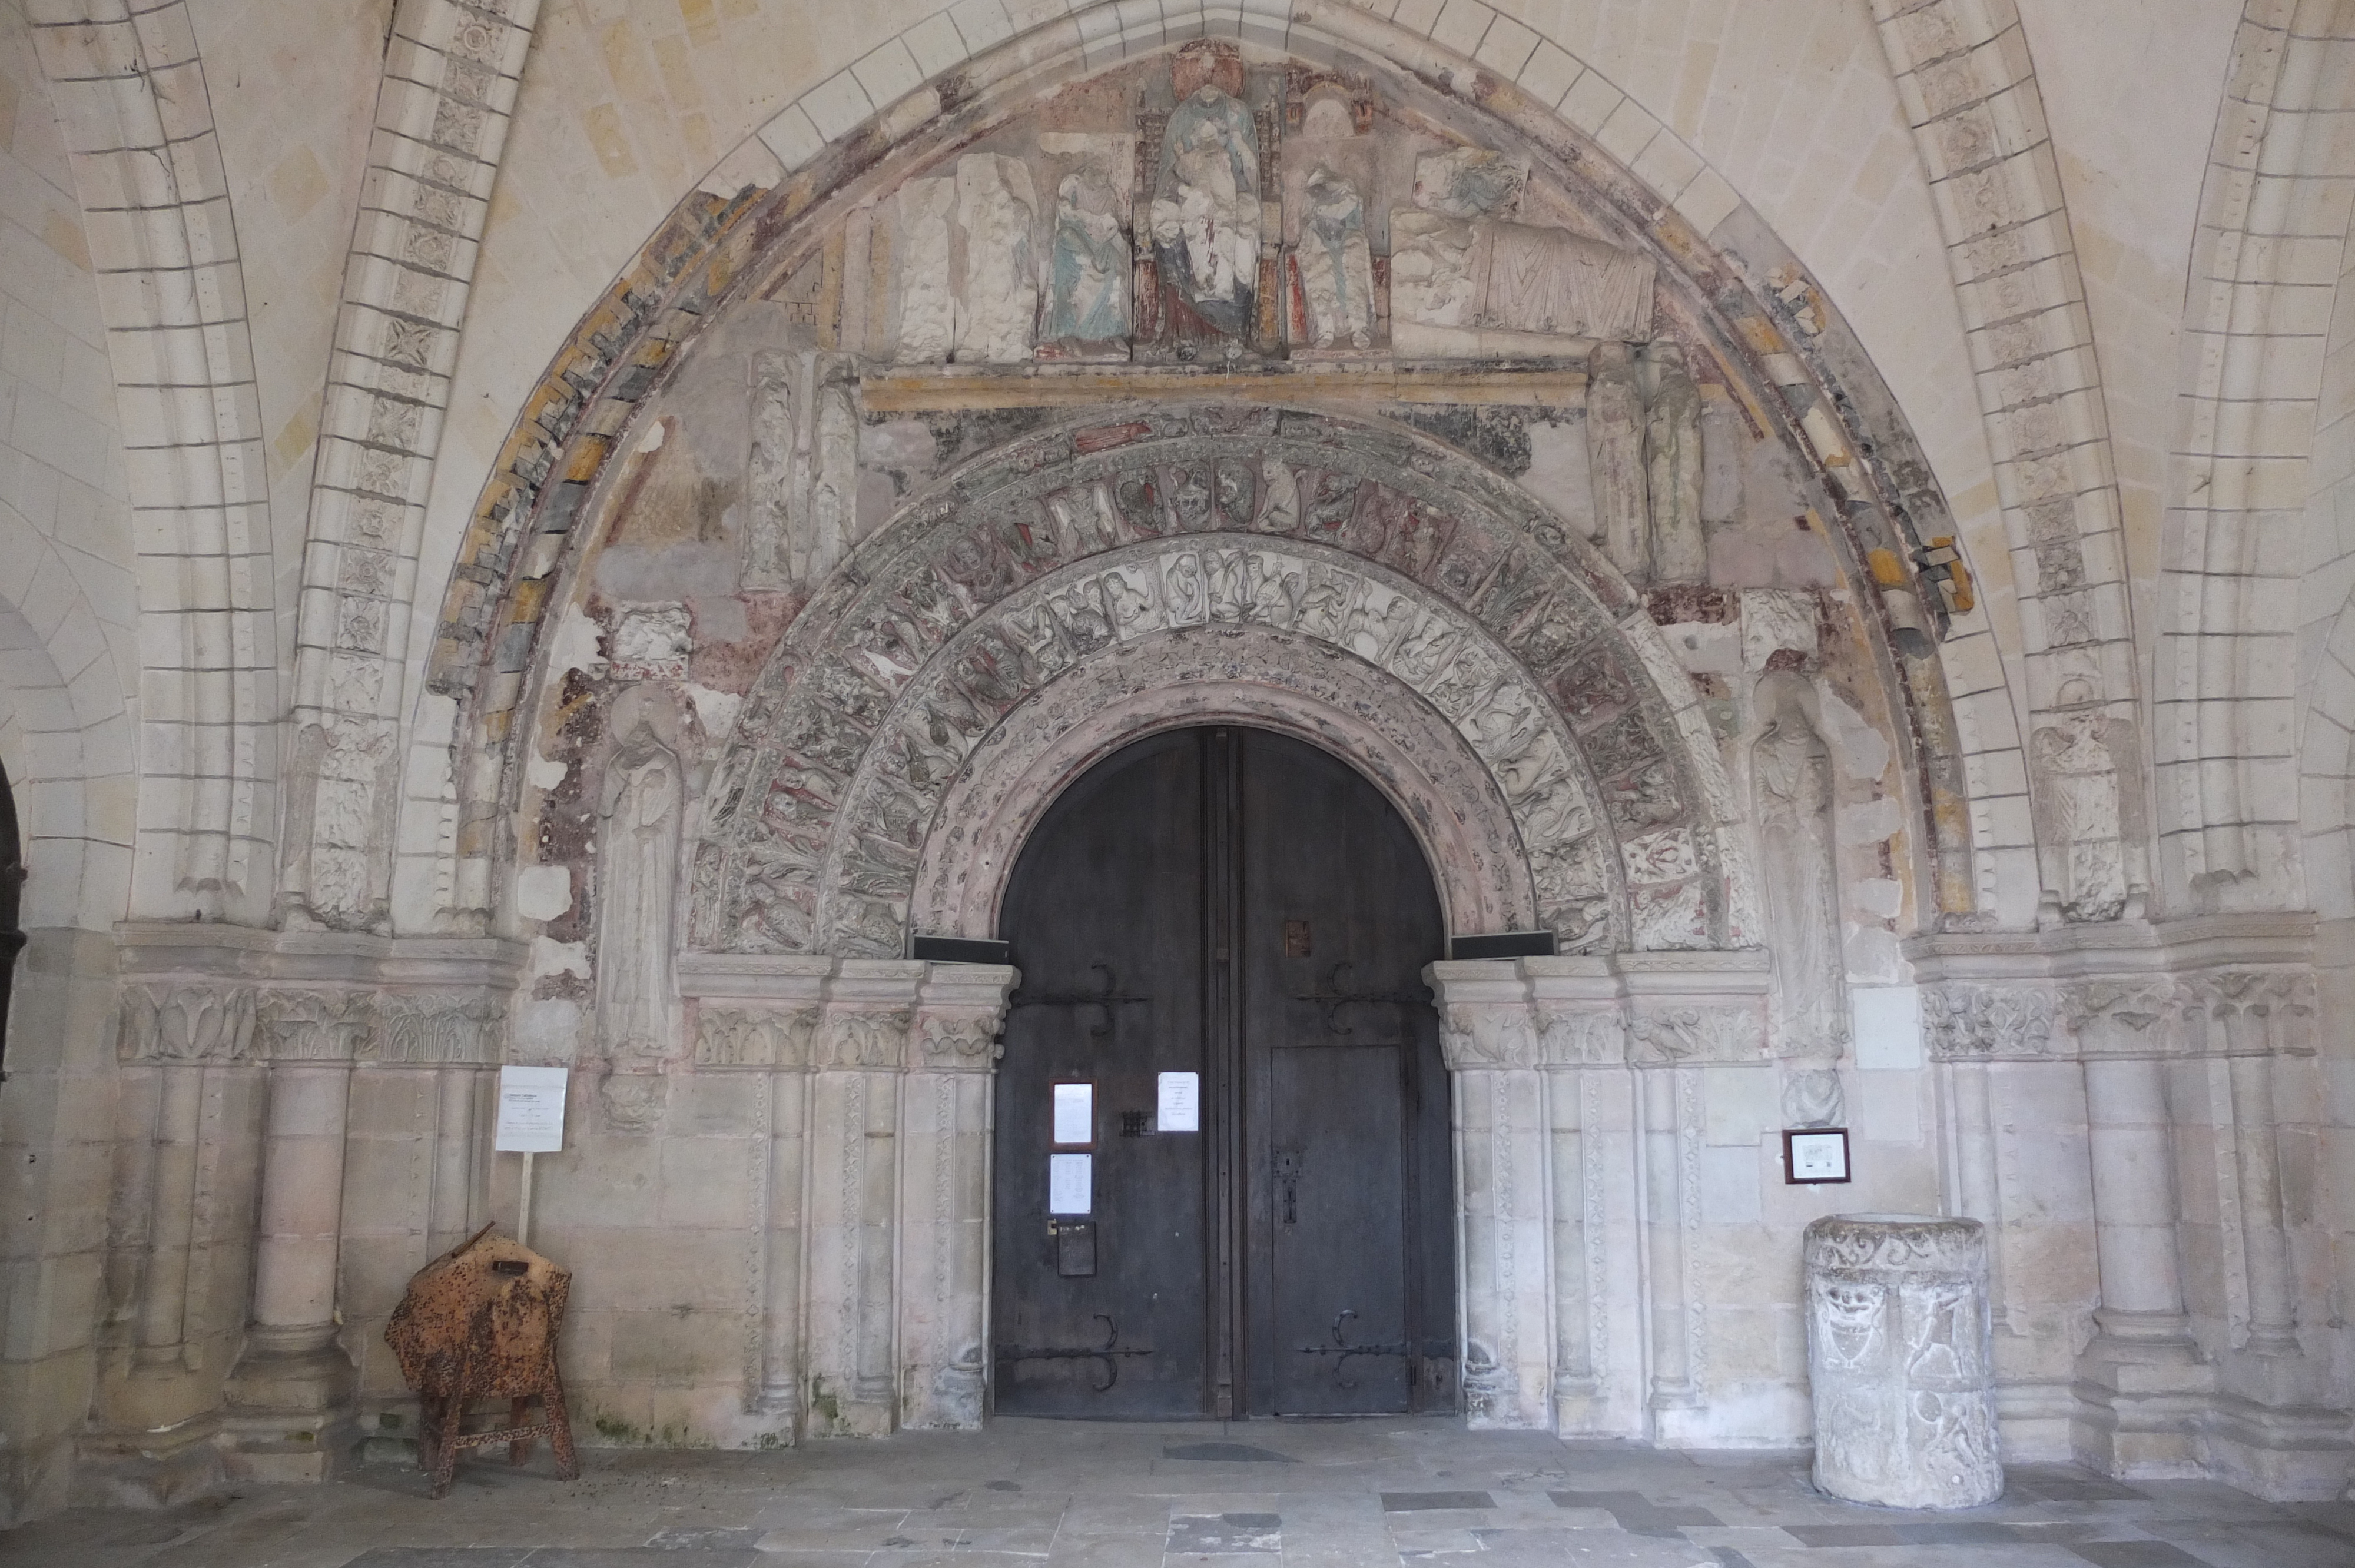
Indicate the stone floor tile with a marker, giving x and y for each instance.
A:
(2253, 1543)
(2138, 1554)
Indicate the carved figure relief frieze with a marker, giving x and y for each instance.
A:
(1209, 518)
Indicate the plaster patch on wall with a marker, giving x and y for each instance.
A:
(716, 711)
(1879, 895)
(574, 647)
(1887, 1026)
(1862, 751)
(1870, 822)
(559, 958)
(1874, 957)
(543, 773)
(545, 1034)
(543, 892)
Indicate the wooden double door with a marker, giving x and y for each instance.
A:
(1239, 907)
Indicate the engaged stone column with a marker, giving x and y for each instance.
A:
(1898, 1354)
(1490, 1043)
(944, 1193)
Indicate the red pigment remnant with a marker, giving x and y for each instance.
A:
(1104, 436)
(1686, 604)
(734, 666)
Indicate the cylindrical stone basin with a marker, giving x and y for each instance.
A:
(1899, 1355)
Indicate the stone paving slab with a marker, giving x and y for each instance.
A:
(1413, 1493)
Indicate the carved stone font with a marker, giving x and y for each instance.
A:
(1901, 1359)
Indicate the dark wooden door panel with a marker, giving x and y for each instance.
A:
(1337, 1240)
(1104, 915)
(1245, 907)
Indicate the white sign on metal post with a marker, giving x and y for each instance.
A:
(531, 1109)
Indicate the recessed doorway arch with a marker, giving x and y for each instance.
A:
(1222, 917)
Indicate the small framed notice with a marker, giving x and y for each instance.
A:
(1071, 1184)
(1181, 1103)
(1075, 1115)
(531, 1111)
(1815, 1156)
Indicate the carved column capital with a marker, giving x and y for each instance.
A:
(1986, 1021)
(1694, 1036)
(186, 1022)
(750, 1036)
(2134, 1016)
(328, 1025)
(437, 1028)
(1489, 1034)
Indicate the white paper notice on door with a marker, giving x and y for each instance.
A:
(1075, 1114)
(1071, 1179)
(1181, 1103)
(531, 1111)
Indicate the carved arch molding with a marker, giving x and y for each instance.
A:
(1343, 580)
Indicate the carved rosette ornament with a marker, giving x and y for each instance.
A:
(1901, 1360)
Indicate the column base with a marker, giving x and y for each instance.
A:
(149, 1467)
(2281, 1453)
(2141, 1390)
(2035, 1422)
(291, 1415)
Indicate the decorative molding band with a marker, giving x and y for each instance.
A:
(1521, 1013)
(219, 993)
(132, 103)
(1970, 93)
(2264, 263)
(452, 73)
(793, 1013)
(2216, 986)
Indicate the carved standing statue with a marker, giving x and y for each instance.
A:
(1679, 549)
(1087, 301)
(1792, 769)
(1614, 458)
(1206, 205)
(637, 865)
(2080, 774)
(1336, 266)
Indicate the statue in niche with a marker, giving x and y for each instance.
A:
(1679, 546)
(1088, 268)
(1791, 767)
(776, 442)
(2083, 821)
(1466, 283)
(1614, 458)
(1337, 266)
(802, 475)
(637, 864)
(1206, 207)
(999, 297)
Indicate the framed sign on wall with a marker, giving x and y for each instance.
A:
(1815, 1156)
